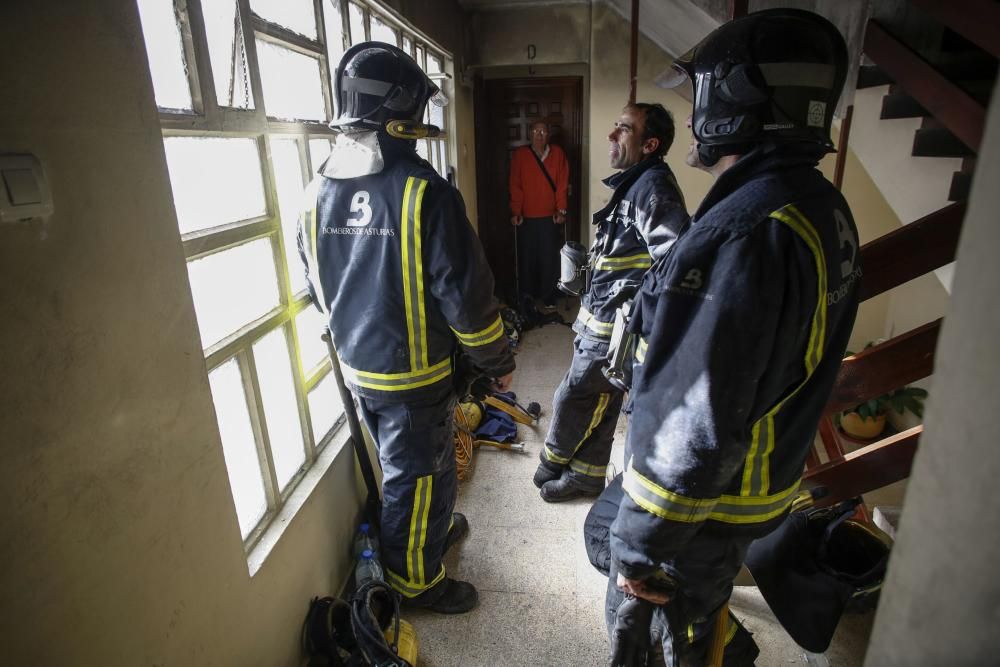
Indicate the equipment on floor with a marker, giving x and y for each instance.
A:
(815, 566)
(489, 421)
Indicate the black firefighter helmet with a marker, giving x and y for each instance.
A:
(771, 76)
(379, 86)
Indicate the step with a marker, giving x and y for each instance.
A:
(938, 142)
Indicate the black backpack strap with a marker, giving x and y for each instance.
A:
(541, 165)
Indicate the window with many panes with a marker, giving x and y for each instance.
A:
(244, 89)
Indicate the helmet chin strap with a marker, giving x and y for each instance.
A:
(708, 155)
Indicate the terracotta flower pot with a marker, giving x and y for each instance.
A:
(868, 428)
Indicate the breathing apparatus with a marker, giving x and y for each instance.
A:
(574, 269)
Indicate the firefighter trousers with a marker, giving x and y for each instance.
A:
(585, 411)
(419, 487)
(704, 571)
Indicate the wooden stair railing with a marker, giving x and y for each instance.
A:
(907, 253)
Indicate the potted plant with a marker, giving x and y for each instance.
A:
(867, 421)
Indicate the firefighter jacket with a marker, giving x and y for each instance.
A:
(742, 327)
(393, 261)
(643, 218)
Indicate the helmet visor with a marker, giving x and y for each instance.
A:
(439, 99)
(671, 77)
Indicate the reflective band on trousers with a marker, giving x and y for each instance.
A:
(600, 328)
(411, 588)
(671, 506)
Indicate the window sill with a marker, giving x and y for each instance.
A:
(298, 498)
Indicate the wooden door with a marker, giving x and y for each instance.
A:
(505, 111)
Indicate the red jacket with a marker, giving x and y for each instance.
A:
(530, 192)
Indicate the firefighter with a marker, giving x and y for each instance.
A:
(642, 219)
(394, 264)
(741, 329)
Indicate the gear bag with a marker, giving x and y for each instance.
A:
(817, 564)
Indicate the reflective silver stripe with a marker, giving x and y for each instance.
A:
(484, 337)
(587, 469)
(806, 75)
(602, 329)
(409, 588)
(397, 381)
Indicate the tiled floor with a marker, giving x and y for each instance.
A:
(541, 602)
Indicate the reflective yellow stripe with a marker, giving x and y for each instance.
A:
(757, 469)
(731, 632)
(429, 493)
(483, 337)
(641, 261)
(553, 457)
(640, 350)
(587, 469)
(409, 588)
(397, 381)
(413, 272)
(598, 327)
(595, 419)
(418, 529)
(666, 504)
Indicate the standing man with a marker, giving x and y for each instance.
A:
(644, 217)
(742, 329)
(392, 261)
(539, 179)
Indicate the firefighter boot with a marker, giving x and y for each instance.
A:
(565, 488)
(546, 472)
(450, 596)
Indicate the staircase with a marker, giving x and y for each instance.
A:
(940, 60)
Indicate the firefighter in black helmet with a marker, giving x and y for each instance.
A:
(741, 329)
(394, 264)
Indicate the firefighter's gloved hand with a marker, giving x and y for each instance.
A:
(630, 645)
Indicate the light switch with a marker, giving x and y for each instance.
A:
(24, 191)
(22, 188)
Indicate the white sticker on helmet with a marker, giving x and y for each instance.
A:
(816, 117)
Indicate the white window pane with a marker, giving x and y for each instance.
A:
(422, 148)
(166, 54)
(334, 24)
(436, 115)
(434, 64)
(325, 406)
(232, 288)
(214, 180)
(420, 56)
(227, 52)
(288, 181)
(238, 447)
(381, 32)
(292, 85)
(442, 161)
(357, 17)
(408, 45)
(296, 15)
(310, 324)
(277, 390)
(319, 150)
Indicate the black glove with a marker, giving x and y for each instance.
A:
(630, 643)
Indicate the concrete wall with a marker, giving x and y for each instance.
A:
(120, 540)
(940, 602)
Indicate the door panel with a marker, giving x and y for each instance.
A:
(505, 111)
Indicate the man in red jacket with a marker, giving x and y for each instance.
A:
(539, 176)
